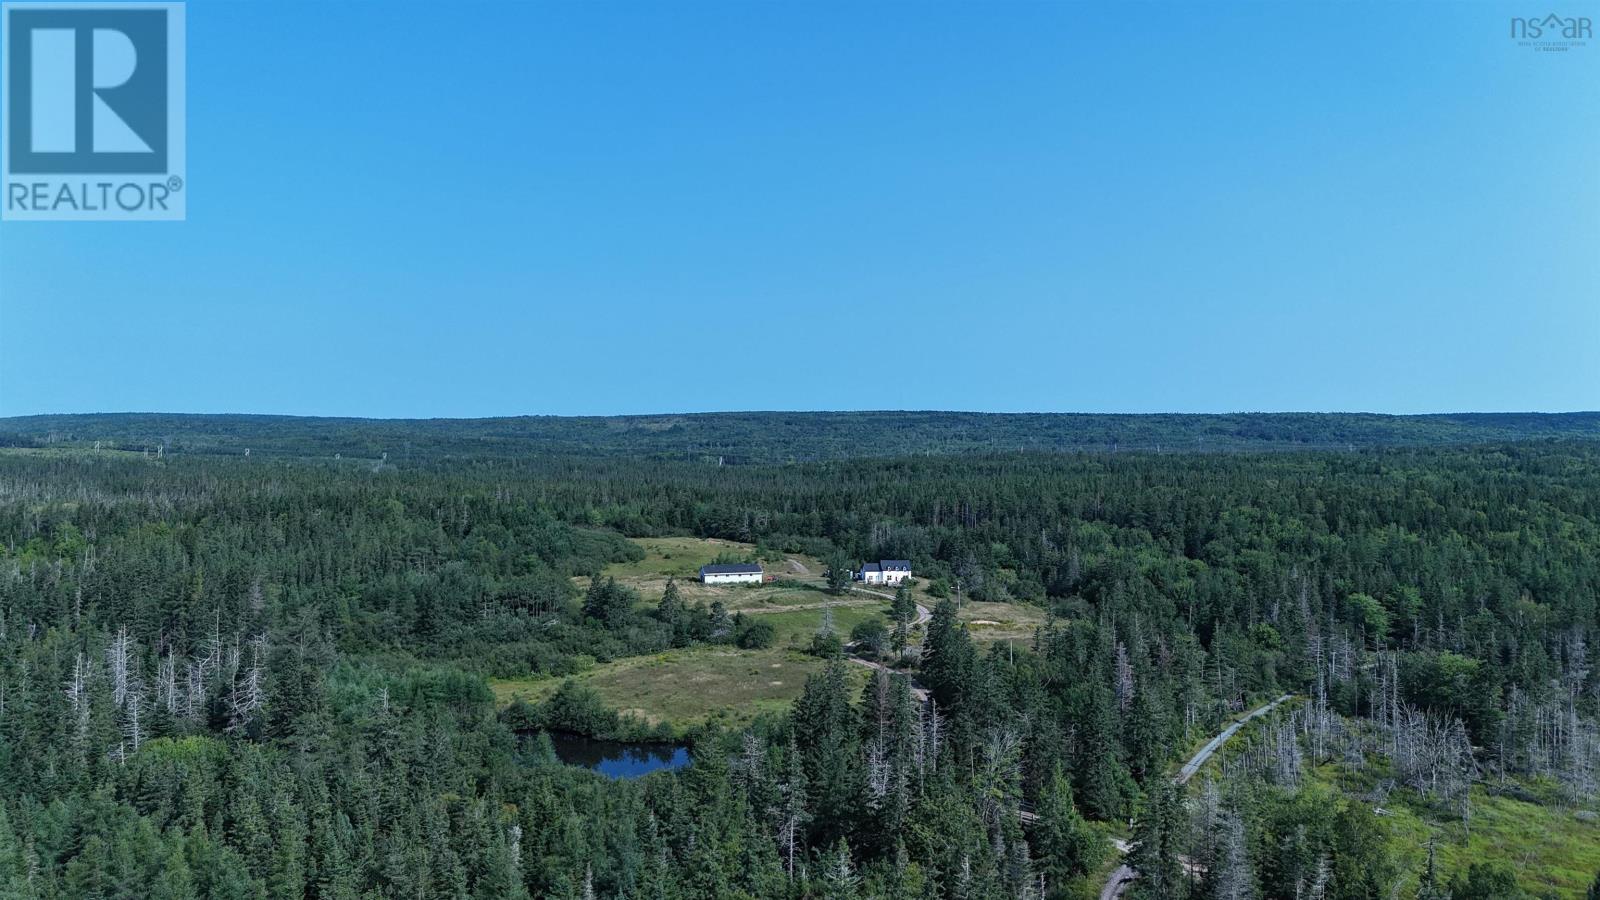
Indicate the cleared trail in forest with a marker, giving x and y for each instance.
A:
(1119, 880)
(924, 615)
(917, 691)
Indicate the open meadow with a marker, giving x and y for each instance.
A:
(1554, 849)
(680, 559)
(795, 596)
(691, 687)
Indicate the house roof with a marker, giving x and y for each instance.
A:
(896, 565)
(732, 569)
(870, 567)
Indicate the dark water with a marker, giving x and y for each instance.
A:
(618, 759)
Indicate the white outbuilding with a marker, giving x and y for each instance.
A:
(736, 573)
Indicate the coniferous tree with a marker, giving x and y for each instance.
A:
(1097, 768)
(1066, 846)
(902, 612)
(948, 659)
(839, 574)
(1487, 881)
(721, 624)
(1362, 866)
(1159, 844)
(608, 602)
(838, 879)
(828, 735)
(13, 862)
(670, 612)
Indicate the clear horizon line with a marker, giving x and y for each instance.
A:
(836, 411)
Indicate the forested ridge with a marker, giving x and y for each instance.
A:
(264, 676)
(774, 437)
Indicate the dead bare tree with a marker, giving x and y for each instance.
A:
(1000, 775)
(77, 691)
(167, 681)
(792, 815)
(928, 730)
(1432, 755)
(133, 729)
(1124, 678)
(119, 665)
(249, 689)
(878, 773)
(1233, 878)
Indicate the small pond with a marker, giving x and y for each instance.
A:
(618, 759)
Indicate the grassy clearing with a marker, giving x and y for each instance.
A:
(784, 603)
(796, 627)
(686, 688)
(677, 556)
(782, 595)
(1551, 849)
(682, 557)
(990, 623)
(1554, 852)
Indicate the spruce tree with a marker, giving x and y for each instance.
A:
(839, 574)
(13, 861)
(671, 605)
(1159, 844)
(1066, 846)
(838, 879)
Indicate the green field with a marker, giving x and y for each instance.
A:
(689, 687)
(686, 688)
(991, 623)
(799, 584)
(783, 595)
(681, 558)
(1551, 849)
(796, 627)
(677, 556)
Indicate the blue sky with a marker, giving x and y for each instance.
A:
(464, 209)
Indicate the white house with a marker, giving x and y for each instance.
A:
(886, 571)
(737, 573)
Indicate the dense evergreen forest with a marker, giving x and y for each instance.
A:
(774, 437)
(265, 676)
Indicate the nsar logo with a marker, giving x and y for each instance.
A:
(93, 107)
(1553, 32)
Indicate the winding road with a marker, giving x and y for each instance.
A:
(917, 691)
(1124, 874)
(923, 616)
(1119, 880)
(923, 613)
